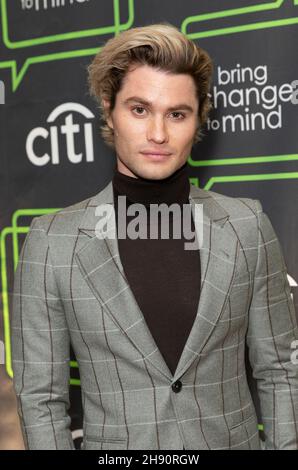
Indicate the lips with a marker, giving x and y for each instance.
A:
(156, 156)
(157, 153)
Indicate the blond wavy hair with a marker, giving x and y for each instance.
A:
(161, 46)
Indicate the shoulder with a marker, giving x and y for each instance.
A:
(67, 218)
(235, 206)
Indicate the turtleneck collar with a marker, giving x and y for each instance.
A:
(173, 189)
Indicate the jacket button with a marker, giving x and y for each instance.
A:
(176, 387)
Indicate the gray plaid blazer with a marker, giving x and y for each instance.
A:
(70, 288)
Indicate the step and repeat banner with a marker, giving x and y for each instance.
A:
(51, 151)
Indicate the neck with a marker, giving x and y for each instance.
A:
(173, 189)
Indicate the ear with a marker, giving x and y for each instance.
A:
(106, 106)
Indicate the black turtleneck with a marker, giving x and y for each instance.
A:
(164, 277)
(174, 188)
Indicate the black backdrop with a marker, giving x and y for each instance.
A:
(52, 154)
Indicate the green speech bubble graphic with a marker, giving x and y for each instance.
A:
(238, 12)
(19, 73)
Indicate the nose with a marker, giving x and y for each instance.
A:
(157, 130)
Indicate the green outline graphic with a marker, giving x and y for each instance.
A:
(18, 76)
(275, 5)
(14, 231)
(117, 28)
(260, 177)
(238, 12)
(243, 160)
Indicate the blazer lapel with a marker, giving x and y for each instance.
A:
(100, 264)
(219, 250)
(102, 269)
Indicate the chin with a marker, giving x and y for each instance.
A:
(155, 173)
(156, 170)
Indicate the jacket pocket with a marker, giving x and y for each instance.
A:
(104, 443)
(244, 435)
(235, 426)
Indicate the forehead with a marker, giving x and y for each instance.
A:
(152, 82)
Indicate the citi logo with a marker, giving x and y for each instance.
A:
(68, 133)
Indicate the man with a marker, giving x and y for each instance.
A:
(158, 330)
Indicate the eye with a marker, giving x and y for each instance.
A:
(181, 114)
(138, 107)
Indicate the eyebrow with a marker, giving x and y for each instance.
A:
(137, 99)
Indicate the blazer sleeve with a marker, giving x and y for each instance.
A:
(40, 347)
(271, 336)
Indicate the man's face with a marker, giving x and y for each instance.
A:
(167, 123)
